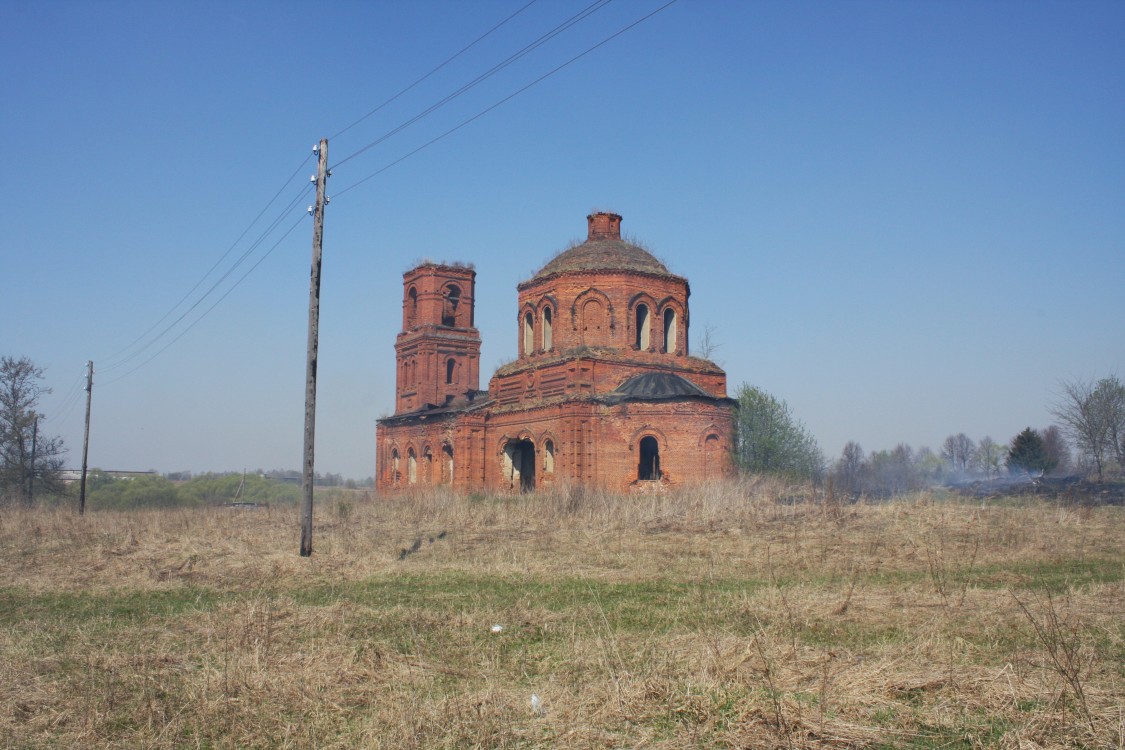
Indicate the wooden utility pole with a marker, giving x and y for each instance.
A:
(86, 438)
(314, 334)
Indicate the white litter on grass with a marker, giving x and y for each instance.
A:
(537, 705)
(497, 628)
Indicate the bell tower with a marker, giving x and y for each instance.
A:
(438, 350)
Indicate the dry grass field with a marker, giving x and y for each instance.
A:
(731, 616)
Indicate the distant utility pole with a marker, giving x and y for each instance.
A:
(86, 438)
(310, 373)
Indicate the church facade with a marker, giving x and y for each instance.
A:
(603, 394)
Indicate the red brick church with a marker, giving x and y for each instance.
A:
(603, 394)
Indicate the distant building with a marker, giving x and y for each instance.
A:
(75, 475)
(603, 394)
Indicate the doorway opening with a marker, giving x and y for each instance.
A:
(519, 465)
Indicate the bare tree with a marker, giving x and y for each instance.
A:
(990, 456)
(849, 466)
(708, 344)
(1094, 416)
(25, 456)
(1057, 450)
(959, 450)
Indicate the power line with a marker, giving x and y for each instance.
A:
(242, 258)
(578, 17)
(68, 401)
(448, 60)
(508, 98)
(116, 361)
(214, 304)
(526, 50)
(112, 364)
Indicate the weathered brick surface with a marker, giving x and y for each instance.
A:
(595, 317)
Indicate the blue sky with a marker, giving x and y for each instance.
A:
(905, 219)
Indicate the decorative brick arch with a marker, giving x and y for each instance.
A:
(639, 327)
(648, 456)
(447, 462)
(453, 305)
(592, 293)
(549, 448)
(713, 451)
(528, 329)
(645, 430)
(426, 465)
(517, 461)
(548, 316)
(410, 306)
(392, 465)
(678, 337)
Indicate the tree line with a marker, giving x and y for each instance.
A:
(1089, 440)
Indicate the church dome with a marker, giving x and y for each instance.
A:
(604, 250)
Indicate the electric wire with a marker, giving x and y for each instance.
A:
(215, 304)
(110, 360)
(447, 60)
(113, 360)
(581, 15)
(506, 99)
(116, 361)
(68, 401)
(514, 57)
(241, 259)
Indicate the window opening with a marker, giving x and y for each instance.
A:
(547, 329)
(411, 467)
(447, 464)
(412, 306)
(528, 333)
(449, 309)
(644, 328)
(649, 467)
(670, 331)
(427, 465)
(549, 457)
(450, 367)
(395, 476)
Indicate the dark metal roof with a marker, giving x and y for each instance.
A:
(604, 255)
(659, 385)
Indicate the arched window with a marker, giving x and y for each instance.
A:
(449, 307)
(528, 333)
(548, 318)
(649, 466)
(549, 456)
(395, 476)
(450, 368)
(447, 464)
(669, 331)
(411, 307)
(644, 328)
(411, 466)
(427, 465)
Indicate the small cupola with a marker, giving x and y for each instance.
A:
(604, 226)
